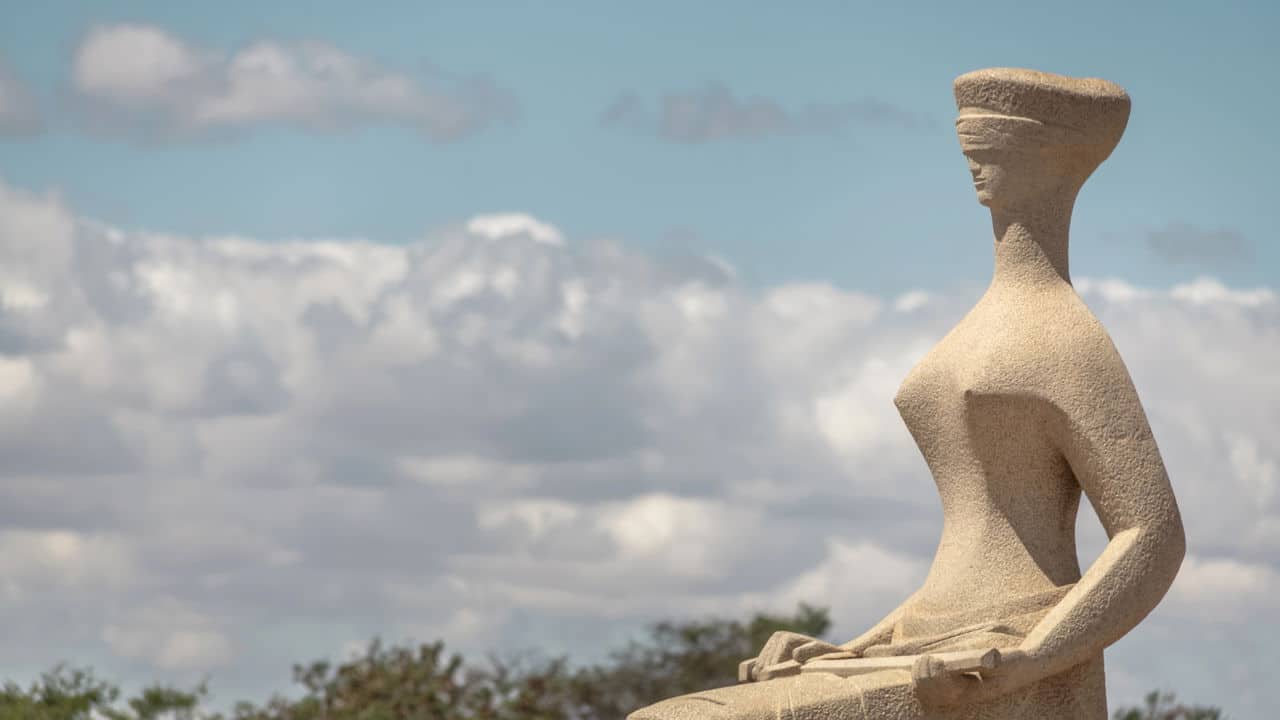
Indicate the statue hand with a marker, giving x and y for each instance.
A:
(938, 684)
(819, 648)
(782, 647)
(856, 647)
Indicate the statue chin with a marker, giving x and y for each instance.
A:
(996, 410)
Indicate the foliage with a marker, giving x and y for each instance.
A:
(1160, 706)
(74, 694)
(681, 658)
(392, 684)
(427, 683)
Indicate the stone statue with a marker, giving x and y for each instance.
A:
(1020, 407)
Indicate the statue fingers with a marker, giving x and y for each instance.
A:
(934, 684)
(780, 646)
(813, 649)
(927, 668)
(782, 669)
(769, 652)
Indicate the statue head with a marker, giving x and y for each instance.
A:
(1031, 136)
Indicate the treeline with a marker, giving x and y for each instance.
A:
(428, 683)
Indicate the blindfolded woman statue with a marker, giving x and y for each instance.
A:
(1021, 407)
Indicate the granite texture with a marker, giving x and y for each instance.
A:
(1020, 408)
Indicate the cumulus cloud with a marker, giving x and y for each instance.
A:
(252, 454)
(19, 111)
(168, 636)
(36, 561)
(713, 112)
(142, 78)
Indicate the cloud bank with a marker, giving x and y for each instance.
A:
(143, 79)
(252, 453)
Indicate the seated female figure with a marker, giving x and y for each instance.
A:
(1017, 410)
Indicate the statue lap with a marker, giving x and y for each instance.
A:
(1077, 694)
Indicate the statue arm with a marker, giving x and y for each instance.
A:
(1099, 426)
(1094, 418)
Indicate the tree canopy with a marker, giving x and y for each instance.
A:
(427, 682)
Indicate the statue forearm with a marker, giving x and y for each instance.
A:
(1121, 587)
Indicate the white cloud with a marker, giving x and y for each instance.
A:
(170, 636)
(683, 536)
(536, 517)
(850, 418)
(1227, 589)
(1207, 291)
(498, 225)
(911, 300)
(34, 563)
(19, 385)
(858, 580)
(133, 62)
(463, 470)
(1112, 290)
(1201, 291)
(495, 438)
(135, 76)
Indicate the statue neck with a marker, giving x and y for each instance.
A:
(1031, 244)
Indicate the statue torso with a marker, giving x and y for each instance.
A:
(977, 408)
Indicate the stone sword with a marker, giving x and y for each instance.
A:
(844, 664)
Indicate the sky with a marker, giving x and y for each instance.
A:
(512, 324)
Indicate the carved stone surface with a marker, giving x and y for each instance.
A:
(1017, 410)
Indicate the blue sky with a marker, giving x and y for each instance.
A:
(858, 208)
(319, 323)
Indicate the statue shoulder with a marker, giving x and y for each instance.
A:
(1057, 350)
(1085, 379)
(1081, 343)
